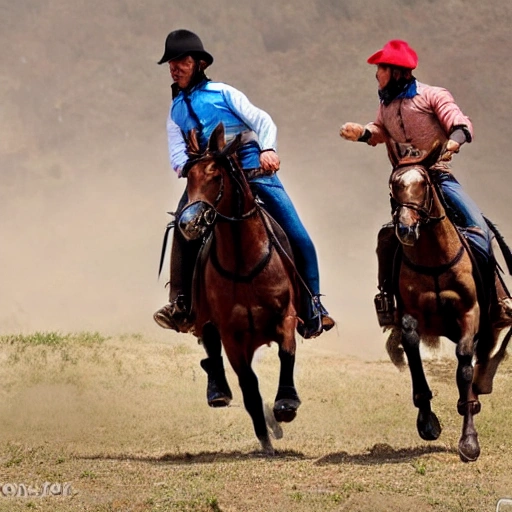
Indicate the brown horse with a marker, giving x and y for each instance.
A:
(245, 292)
(438, 295)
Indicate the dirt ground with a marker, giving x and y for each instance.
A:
(122, 424)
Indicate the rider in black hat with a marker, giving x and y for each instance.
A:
(200, 104)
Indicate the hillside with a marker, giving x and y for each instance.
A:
(85, 181)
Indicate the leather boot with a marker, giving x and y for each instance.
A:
(174, 315)
(312, 325)
(387, 245)
(327, 321)
(177, 314)
(218, 393)
(385, 308)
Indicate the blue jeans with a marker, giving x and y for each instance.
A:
(279, 205)
(466, 213)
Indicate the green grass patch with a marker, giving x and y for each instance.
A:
(53, 338)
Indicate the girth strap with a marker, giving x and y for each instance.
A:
(433, 271)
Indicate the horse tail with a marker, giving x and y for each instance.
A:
(394, 348)
(505, 249)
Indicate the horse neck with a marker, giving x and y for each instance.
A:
(240, 243)
(236, 201)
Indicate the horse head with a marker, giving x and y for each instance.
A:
(205, 172)
(413, 195)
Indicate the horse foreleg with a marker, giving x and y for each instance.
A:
(427, 424)
(218, 393)
(468, 404)
(251, 394)
(287, 400)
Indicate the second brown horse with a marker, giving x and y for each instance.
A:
(438, 295)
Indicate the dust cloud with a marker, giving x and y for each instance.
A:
(85, 178)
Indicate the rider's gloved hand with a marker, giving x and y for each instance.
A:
(352, 131)
(269, 162)
(452, 147)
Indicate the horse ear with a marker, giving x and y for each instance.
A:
(217, 141)
(192, 142)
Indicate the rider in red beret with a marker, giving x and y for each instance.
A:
(414, 116)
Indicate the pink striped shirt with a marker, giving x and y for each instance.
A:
(421, 121)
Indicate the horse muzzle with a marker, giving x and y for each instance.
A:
(408, 235)
(196, 219)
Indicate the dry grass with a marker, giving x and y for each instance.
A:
(125, 422)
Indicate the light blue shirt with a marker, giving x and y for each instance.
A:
(212, 103)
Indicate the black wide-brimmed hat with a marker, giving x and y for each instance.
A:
(181, 43)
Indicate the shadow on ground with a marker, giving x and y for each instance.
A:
(378, 454)
(382, 453)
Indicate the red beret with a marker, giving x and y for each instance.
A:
(395, 53)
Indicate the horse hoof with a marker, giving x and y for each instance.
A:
(285, 410)
(219, 400)
(218, 393)
(428, 426)
(469, 449)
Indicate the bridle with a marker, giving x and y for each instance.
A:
(207, 213)
(234, 174)
(423, 210)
